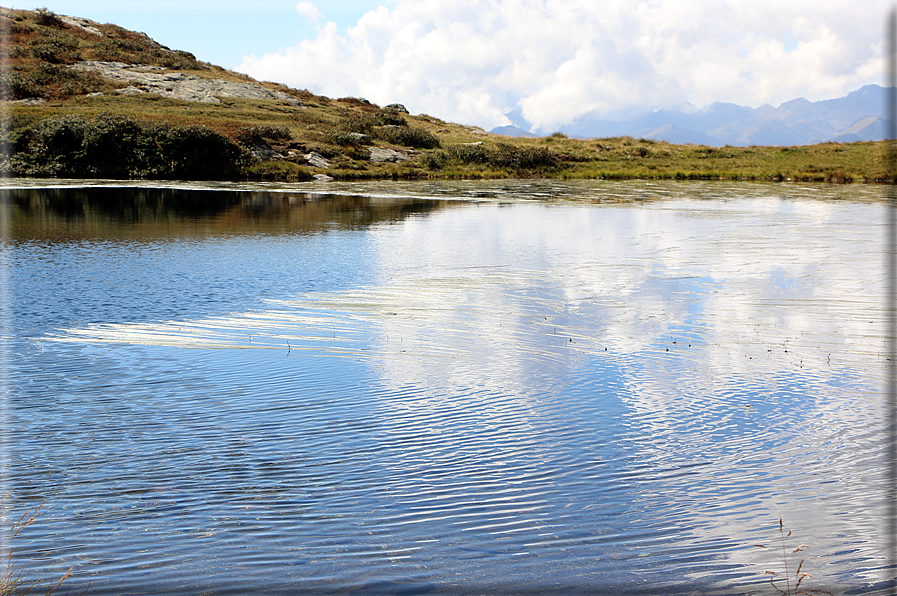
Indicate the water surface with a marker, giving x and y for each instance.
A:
(493, 387)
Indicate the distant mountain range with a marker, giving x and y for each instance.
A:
(854, 117)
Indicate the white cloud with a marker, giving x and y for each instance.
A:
(309, 11)
(472, 61)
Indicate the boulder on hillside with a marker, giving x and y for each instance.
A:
(316, 160)
(388, 155)
(396, 107)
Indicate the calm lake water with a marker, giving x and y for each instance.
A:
(471, 387)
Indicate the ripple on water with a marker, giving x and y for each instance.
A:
(578, 395)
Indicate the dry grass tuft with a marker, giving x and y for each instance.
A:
(792, 582)
(13, 579)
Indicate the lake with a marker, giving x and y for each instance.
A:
(528, 387)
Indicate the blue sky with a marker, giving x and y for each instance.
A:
(553, 61)
(222, 32)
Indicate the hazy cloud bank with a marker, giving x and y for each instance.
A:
(472, 61)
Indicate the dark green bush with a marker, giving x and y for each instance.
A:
(360, 123)
(358, 153)
(179, 60)
(364, 123)
(52, 81)
(468, 154)
(343, 138)
(19, 86)
(120, 45)
(505, 156)
(264, 133)
(393, 117)
(435, 160)
(509, 157)
(48, 18)
(112, 146)
(56, 47)
(408, 137)
(195, 152)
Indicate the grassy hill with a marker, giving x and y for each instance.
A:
(66, 118)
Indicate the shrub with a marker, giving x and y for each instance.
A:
(346, 139)
(56, 47)
(509, 157)
(195, 152)
(391, 117)
(360, 123)
(358, 153)
(435, 160)
(53, 81)
(408, 137)
(356, 101)
(121, 45)
(468, 154)
(178, 60)
(364, 123)
(254, 135)
(48, 19)
(113, 146)
(20, 86)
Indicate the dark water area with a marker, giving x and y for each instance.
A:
(437, 388)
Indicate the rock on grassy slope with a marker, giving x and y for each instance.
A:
(86, 100)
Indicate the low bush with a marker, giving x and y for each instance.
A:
(121, 45)
(358, 123)
(408, 137)
(56, 47)
(120, 147)
(435, 160)
(343, 138)
(265, 133)
(518, 159)
(20, 86)
(468, 154)
(48, 18)
(366, 122)
(504, 156)
(392, 117)
(50, 81)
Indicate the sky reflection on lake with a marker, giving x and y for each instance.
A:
(592, 391)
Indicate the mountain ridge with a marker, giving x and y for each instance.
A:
(794, 122)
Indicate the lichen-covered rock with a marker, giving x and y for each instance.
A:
(188, 87)
(316, 160)
(264, 152)
(388, 155)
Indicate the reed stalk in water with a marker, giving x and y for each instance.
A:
(787, 577)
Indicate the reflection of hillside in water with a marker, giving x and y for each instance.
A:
(103, 212)
(649, 381)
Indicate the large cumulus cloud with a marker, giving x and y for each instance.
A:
(472, 61)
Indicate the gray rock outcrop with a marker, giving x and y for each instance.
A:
(264, 152)
(388, 155)
(316, 160)
(81, 23)
(144, 78)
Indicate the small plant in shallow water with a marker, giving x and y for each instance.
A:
(792, 582)
(12, 578)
